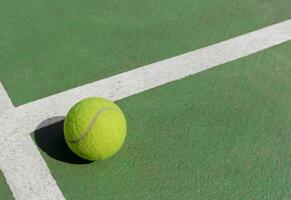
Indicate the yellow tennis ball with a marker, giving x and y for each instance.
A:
(95, 128)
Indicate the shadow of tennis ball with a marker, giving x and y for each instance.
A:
(51, 141)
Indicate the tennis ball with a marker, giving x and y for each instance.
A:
(95, 128)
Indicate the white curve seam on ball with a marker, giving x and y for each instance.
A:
(89, 127)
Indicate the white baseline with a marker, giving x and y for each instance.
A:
(28, 117)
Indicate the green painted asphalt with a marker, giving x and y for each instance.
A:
(51, 46)
(222, 134)
(5, 193)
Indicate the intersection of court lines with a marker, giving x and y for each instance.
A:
(17, 122)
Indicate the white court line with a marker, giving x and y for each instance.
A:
(25, 170)
(5, 102)
(27, 118)
(22, 165)
(30, 115)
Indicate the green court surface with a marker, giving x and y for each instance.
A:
(5, 192)
(52, 46)
(222, 134)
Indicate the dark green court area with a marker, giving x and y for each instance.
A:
(51, 46)
(222, 134)
(5, 192)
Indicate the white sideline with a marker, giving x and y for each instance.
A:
(25, 170)
(22, 165)
(16, 124)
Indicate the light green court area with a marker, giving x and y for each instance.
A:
(222, 134)
(5, 193)
(51, 46)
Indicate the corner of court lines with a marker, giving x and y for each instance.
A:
(34, 180)
(24, 169)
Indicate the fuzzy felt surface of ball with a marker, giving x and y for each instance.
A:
(95, 128)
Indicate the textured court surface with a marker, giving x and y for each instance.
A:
(5, 193)
(224, 133)
(64, 44)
